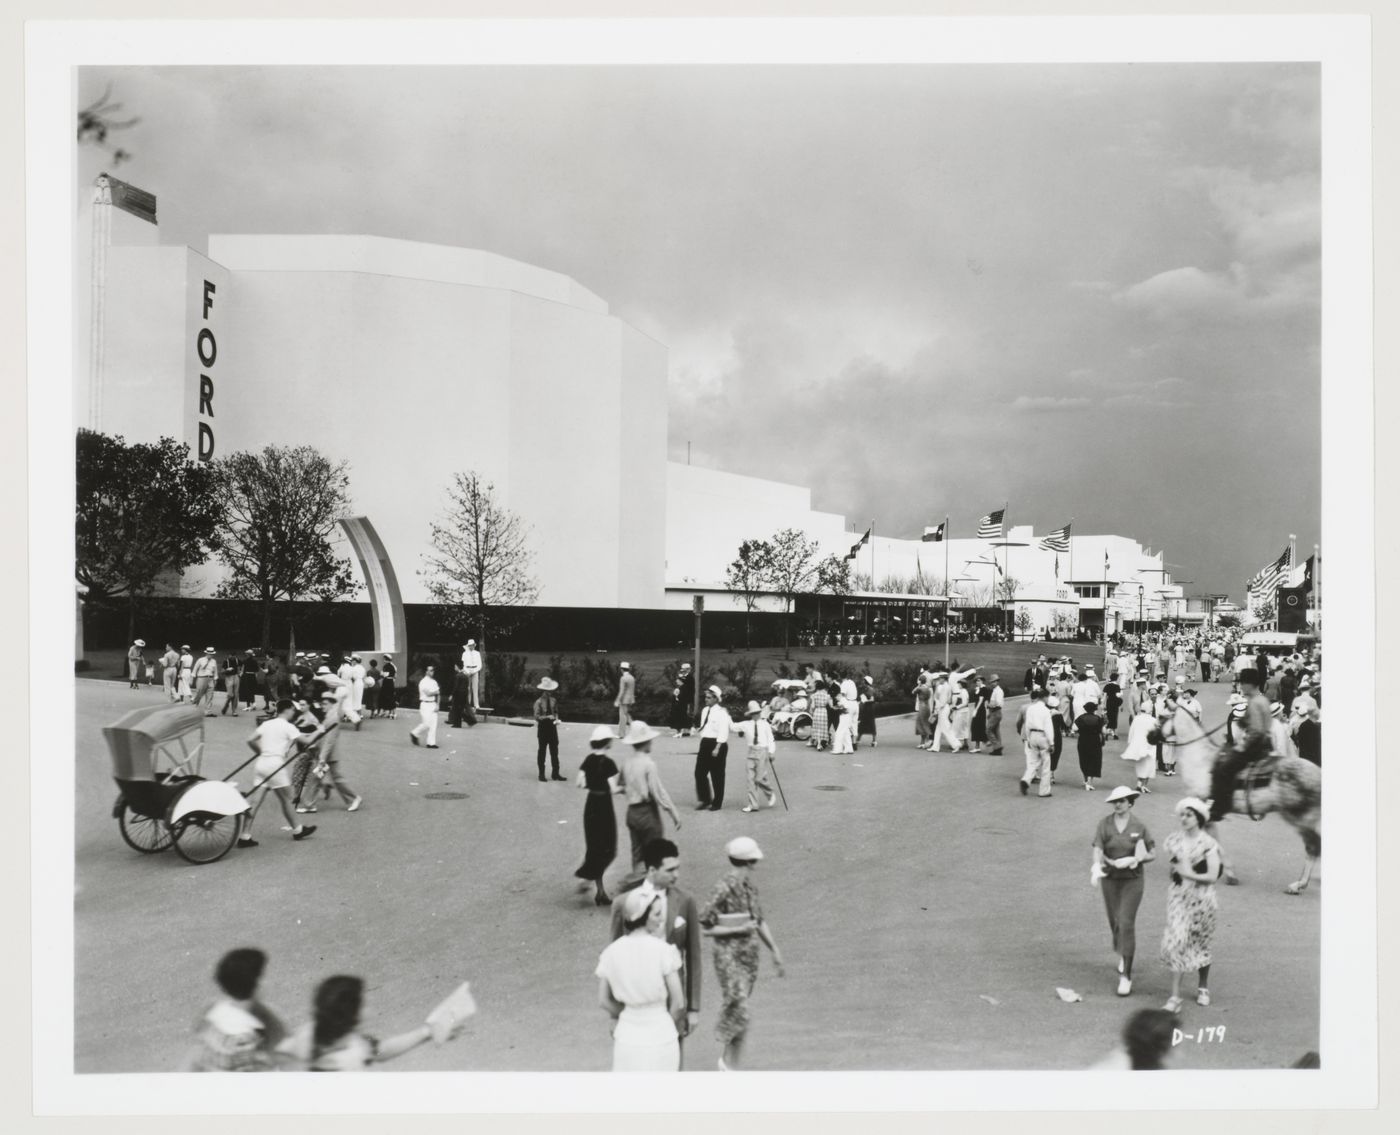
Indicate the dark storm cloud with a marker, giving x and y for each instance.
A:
(1090, 290)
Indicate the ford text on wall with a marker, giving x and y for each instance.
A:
(206, 348)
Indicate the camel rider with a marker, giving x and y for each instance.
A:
(1253, 742)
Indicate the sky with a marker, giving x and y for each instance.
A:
(1091, 291)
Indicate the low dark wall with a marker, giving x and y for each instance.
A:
(233, 624)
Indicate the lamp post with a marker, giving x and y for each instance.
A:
(1139, 626)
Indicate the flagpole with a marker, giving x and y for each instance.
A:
(947, 588)
(1070, 542)
(1103, 594)
(872, 551)
(1317, 583)
(1006, 569)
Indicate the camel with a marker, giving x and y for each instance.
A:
(1290, 786)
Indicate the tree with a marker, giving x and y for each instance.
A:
(747, 576)
(833, 576)
(143, 510)
(280, 511)
(480, 559)
(1227, 620)
(1025, 622)
(793, 571)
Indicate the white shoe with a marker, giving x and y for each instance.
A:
(1125, 985)
(772, 800)
(746, 808)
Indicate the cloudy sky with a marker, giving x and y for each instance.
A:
(1091, 290)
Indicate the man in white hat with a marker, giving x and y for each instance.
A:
(646, 796)
(205, 672)
(471, 667)
(547, 726)
(758, 737)
(626, 695)
(715, 724)
(428, 694)
(996, 704)
(1037, 736)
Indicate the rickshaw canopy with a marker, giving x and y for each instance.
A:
(133, 738)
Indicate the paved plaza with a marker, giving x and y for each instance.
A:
(926, 910)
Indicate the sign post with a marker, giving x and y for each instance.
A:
(698, 606)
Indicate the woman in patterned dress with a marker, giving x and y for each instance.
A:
(820, 704)
(1191, 903)
(734, 920)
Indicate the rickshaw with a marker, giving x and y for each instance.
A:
(163, 801)
(792, 721)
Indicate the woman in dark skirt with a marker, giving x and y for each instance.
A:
(1090, 727)
(1112, 702)
(387, 688)
(979, 716)
(598, 774)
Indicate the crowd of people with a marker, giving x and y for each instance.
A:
(650, 973)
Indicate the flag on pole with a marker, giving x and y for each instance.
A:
(1262, 586)
(933, 535)
(989, 527)
(864, 540)
(1058, 540)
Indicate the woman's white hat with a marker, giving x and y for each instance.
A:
(1195, 803)
(140, 642)
(752, 708)
(743, 848)
(637, 903)
(601, 733)
(547, 683)
(1122, 792)
(638, 733)
(718, 693)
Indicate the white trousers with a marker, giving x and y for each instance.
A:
(427, 728)
(944, 731)
(1038, 761)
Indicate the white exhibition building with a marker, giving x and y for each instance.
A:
(414, 361)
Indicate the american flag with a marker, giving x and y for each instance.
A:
(989, 527)
(1057, 541)
(1262, 586)
(934, 534)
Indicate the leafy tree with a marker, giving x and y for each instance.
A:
(1025, 622)
(480, 559)
(281, 508)
(143, 510)
(1227, 620)
(747, 577)
(793, 571)
(834, 575)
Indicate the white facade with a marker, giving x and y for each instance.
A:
(413, 362)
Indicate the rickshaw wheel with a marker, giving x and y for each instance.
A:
(143, 833)
(802, 728)
(203, 837)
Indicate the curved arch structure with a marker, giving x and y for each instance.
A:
(386, 604)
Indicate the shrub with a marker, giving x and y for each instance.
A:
(505, 675)
(739, 672)
(899, 678)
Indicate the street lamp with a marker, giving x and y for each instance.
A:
(1139, 626)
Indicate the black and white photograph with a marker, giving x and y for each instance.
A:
(713, 550)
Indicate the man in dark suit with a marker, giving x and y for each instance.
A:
(680, 918)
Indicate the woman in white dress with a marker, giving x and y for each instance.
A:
(842, 737)
(639, 987)
(1139, 750)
